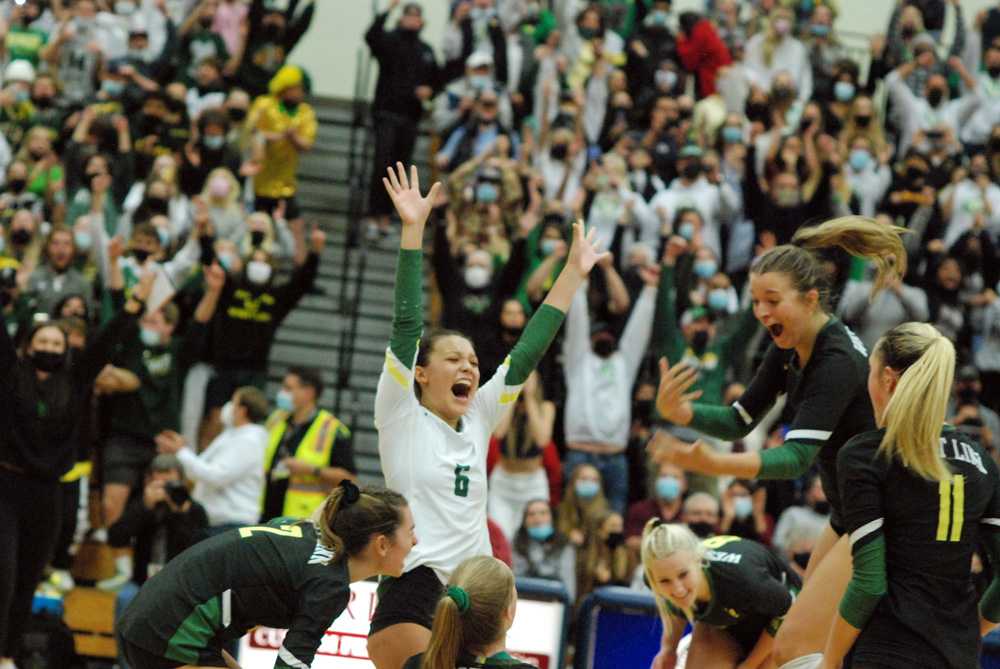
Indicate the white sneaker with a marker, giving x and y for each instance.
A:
(61, 580)
(123, 574)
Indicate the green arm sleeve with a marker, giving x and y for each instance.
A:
(533, 343)
(407, 319)
(989, 605)
(665, 330)
(867, 585)
(788, 461)
(722, 422)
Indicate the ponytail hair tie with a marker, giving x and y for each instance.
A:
(460, 597)
(350, 492)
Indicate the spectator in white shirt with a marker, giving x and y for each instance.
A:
(810, 518)
(976, 131)
(775, 50)
(933, 110)
(229, 474)
(868, 174)
(972, 195)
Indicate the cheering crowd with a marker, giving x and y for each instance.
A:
(692, 142)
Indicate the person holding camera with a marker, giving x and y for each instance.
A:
(970, 415)
(159, 524)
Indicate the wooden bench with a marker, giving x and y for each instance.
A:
(90, 614)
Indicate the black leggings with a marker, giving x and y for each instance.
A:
(29, 526)
(67, 528)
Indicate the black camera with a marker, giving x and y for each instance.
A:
(177, 492)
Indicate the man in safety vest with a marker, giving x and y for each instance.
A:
(309, 450)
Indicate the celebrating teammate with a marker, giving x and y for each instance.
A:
(434, 434)
(472, 619)
(286, 574)
(822, 368)
(735, 592)
(918, 495)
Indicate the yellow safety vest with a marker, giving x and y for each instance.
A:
(305, 492)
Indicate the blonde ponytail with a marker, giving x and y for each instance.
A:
(661, 540)
(470, 614)
(916, 411)
(857, 235)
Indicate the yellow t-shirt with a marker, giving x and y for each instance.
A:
(281, 159)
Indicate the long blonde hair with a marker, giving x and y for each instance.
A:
(659, 541)
(575, 513)
(916, 410)
(469, 615)
(857, 235)
(771, 37)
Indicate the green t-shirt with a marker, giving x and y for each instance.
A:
(25, 43)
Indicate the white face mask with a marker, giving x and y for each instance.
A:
(477, 277)
(124, 7)
(258, 272)
(227, 415)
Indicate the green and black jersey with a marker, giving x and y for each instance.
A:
(913, 540)
(277, 575)
(827, 399)
(752, 589)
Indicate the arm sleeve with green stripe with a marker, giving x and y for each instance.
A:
(407, 319)
(722, 422)
(789, 461)
(533, 343)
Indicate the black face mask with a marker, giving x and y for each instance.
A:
(17, 185)
(20, 237)
(237, 114)
(822, 508)
(915, 177)
(802, 558)
(907, 32)
(43, 102)
(995, 144)
(47, 361)
(559, 151)
(691, 171)
(994, 71)
(968, 395)
(862, 121)
(643, 409)
(141, 255)
(934, 96)
(699, 340)
(615, 539)
(702, 530)
(604, 346)
(272, 31)
(782, 93)
(757, 111)
(256, 238)
(205, 22)
(513, 333)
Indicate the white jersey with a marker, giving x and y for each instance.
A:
(440, 471)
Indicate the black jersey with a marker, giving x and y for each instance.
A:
(501, 660)
(277, 575)
(752, 589)
(929, 615)
(828, 398)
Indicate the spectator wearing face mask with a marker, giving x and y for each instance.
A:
(58, 277)
(309, 450)
(45, 172)
(975, 132)
(249, 308)
(456, 105)
(16, 195)
(668, 490)
(149, 363)
(107, 140)
(485, 192)
(229, 474)
(24, 243)
(541, 551)
(604, 559)
(715, 202)
(600, 371)
(944, 299)
(700, 513)
(44, 396)
(207, 91)
(19, 39)
(16, 110)
(209, 150)
(479, 135)
(652, 43)
(221, 192)
(149, 67)
(933, 111)
(808, 518)
(868, 175)
(582, 503)
(288, 126)
(198, 41)
(775, 50)
(743, 513)
(76, 52)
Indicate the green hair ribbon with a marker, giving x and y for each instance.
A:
(460, 597)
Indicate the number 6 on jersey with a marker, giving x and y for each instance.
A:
(461, 480)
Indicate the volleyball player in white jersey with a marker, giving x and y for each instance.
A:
(433, 434)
